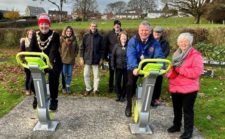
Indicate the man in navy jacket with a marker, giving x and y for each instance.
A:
(140, 46)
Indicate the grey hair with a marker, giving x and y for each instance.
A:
(186, 35)
(93, 22)
(145, 23)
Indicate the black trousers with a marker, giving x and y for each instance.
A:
(28, 79)
(111, 76)
(63, 81)
(121, 81)
(185, 103)
(158, 88)
(131, 86)
(53, 79)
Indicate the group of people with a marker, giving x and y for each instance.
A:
(123, 55)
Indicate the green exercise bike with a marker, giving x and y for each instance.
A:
(37, 62)
(150, 69)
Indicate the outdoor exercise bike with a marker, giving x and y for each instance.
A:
(150, 68)
(37, 62)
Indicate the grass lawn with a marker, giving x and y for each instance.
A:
(182, 22)
(209, 107)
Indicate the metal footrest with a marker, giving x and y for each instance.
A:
(135, 129)
(50, 126)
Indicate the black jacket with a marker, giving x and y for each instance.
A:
(109, 41)
(164, 46)
(119, 57)
(92, 48)
(52, 49)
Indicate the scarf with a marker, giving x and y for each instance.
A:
(179, 56)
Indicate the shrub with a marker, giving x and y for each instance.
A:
(200, 34)
(207, 41)
(14, 24)
(212, 52)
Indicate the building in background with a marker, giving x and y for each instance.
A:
(34, 11)
(55, 15)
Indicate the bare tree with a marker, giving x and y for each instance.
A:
(59, 6)
(196, 8)
(85, 7)
(116, 7)
(142, 5)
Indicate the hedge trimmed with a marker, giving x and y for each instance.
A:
(10, 37)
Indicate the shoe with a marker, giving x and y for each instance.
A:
(27, 92)
(53, 105)
(68, 90)
(86, 93)
(157, 102)
(95, 93)
(64, 91)
(34, 103)
(128, 111)
(173, 129)
(186, 135)
(118, 99)
(153, 104)
(110, 90)
(122, 99)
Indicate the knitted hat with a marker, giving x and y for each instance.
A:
(158, 29)
(117, 22)
(43, 18)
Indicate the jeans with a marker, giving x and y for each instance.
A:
(67, 72)
(87, 80)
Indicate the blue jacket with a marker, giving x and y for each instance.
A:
(135, 49)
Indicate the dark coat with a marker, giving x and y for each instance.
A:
(109, 41)
(164, 46)
(52, 49)
(119, 57)
(92, 48)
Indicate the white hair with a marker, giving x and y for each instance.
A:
(186, 35)
(145, 23)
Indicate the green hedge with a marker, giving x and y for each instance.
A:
(216, 36)
(19, 24)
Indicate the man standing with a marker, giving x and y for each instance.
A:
(91, 56)
(110, 40)
(140, 46)
(164, 44)
(47, 41)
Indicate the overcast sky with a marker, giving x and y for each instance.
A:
(21, 5)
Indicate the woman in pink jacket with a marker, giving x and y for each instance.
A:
(184, 83)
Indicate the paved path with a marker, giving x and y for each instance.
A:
(85, 118)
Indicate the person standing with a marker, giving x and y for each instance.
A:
(47, 41)
(187, 67)
(68, 51)
(25, 46)
(119, 64)
(140, 46)
(110, 40)
(158, 35)
(91, 56)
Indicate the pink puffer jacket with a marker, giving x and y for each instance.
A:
(185, 79)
